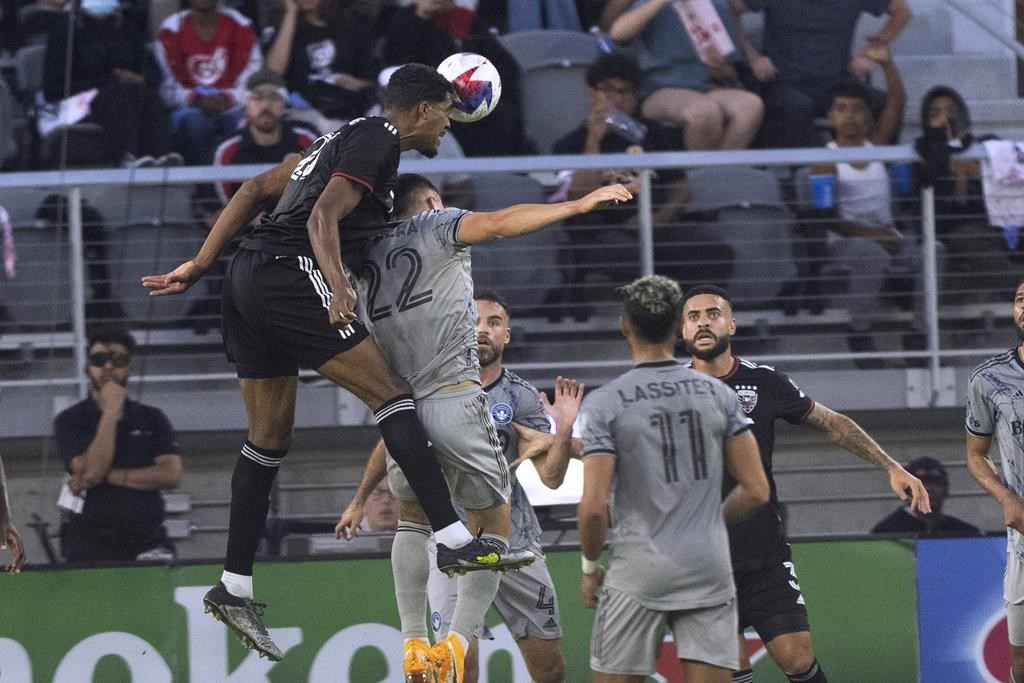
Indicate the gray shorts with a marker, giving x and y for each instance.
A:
(525, 602)
(459, 426)
(627, 636)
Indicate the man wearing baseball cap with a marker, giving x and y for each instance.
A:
(933, 475)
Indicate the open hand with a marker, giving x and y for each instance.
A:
(174, 282)
(568, 397)
(604, 196)
(533, 443)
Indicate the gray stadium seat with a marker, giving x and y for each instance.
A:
(554, 102)
(8, 145)
(751, 217)
(37, 298)
(524, 269)
(930, 32)
(542, 48)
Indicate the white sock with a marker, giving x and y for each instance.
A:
(237, 584)
(455, 535)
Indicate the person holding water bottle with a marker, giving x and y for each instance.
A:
(862, 237)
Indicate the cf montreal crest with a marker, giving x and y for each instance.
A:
(501, 413)
(747, 394)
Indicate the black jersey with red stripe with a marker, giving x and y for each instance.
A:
(765, 395)
(365, 151)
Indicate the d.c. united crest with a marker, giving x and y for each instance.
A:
(747, 394)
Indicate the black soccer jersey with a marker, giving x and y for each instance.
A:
(765, 395)
(366, 152)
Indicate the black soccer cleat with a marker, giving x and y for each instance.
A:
(480, 554)
(244, 618)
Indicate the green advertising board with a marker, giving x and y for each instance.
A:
(337, 622)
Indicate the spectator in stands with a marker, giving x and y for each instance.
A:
(109, 56)
(933, 475)
(207, 53)
(8, 534)
(119, 456)
(327, 61)
(265, 137)
(692, 84)
(961, 221)
(864, 238)
(427, 32)
(380, 512)
(805, 50)
(606, 240)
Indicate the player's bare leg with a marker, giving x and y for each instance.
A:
(1017, 663)
(543, 658)
(270, 405)
(701, 672)
(794, 654)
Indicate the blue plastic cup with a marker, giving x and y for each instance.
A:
(823, 189)
(902, 179)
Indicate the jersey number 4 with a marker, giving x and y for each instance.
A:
(665, 423)
(407, 297)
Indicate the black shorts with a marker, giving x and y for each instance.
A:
(768, 596)
(275, 316)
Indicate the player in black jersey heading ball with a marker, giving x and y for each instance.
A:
(768, 595)
(287, 303)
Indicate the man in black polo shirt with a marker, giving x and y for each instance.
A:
(767, 593)
(120, 455)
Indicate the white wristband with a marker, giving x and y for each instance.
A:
(589, 566)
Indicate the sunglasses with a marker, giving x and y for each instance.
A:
(101, 358)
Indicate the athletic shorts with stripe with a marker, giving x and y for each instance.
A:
(768, 595)
(525, 601)
(460, 428)
(627, 637)
(275, 319)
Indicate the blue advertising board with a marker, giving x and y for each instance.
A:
(961, 615)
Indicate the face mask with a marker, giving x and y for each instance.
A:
(100, 8)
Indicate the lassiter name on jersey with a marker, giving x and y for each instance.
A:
(366, 152)
(765, 395)
(670, 548)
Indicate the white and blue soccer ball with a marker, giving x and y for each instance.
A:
(477, 85)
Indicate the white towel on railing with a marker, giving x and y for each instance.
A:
(1002, 180)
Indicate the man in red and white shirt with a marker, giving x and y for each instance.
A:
(207, 53)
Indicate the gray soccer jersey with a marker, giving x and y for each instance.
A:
(515, 400)
(416, 289)
(666, 426)
(995, 408)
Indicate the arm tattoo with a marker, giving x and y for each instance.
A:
(846, 433)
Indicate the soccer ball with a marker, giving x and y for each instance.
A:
(477, 85)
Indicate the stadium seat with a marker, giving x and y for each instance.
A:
(524, 269)
(747, 212)
(542, 48)
(8, 144)
(36, 21)
(37, 298)
(930, 32)
(150, 230)
(86, 142)
(554, 102)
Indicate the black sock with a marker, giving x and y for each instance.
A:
(250, 502)
(407, 444)
(814, 674)
(744, 676)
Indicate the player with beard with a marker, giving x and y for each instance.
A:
(288, 303)
(768, 594)
(119, 455)
(525, 600)
(995, 411)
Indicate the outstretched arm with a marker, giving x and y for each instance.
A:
(888, 127)
(846, 433)
(240, 212)
(522, 219)
(981, 467)
(632, 22)
(375, 470)
(8, 534)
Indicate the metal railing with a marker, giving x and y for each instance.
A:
(50, 353)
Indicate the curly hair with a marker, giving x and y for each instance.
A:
(653, 304)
